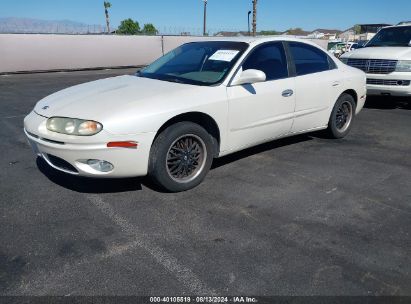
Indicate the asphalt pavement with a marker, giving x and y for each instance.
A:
(299, 216)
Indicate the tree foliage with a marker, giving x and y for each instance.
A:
(149, 29)
(269, 33)
(129, 27)
(357, 29)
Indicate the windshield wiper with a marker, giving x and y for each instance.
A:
(159, 77)
(173, 79)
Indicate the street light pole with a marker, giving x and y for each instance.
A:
(249, 32)
(205, 18)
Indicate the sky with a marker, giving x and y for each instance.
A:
(187, 15)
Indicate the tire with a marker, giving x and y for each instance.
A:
(342, 117)
(181, 157)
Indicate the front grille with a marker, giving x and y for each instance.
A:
(32, 135)
(374, 66)
(61, 163)
(53, 141)
(389, 82)
(45, 139)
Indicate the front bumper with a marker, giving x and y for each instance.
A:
(68, 153)
(394, 84)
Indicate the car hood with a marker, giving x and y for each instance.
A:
(390, 53)
(98, 99)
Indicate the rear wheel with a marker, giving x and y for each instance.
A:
(341, 117)
(181, 157)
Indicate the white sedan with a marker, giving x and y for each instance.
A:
(201, 101)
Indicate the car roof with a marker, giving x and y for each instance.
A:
(258, 40)
(399, 25)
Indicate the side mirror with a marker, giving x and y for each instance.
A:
(249, 77)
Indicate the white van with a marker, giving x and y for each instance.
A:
(386, 60)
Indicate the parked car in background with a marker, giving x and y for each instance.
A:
(361, 43)
(342, 48)
(332, 43)
(201, 101)
(387, 61)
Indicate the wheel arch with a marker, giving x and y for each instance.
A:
(353, 94)
(200, 118)
(350, 92)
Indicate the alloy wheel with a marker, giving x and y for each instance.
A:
(344, 116)
(186, 158)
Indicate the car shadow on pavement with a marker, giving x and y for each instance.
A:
(89, 185)
(219, 162)
(111, 185)
(388, 103)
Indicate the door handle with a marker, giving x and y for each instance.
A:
(288, 93)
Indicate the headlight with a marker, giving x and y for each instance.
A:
(403, 66)
(344, 60)
(72, 126)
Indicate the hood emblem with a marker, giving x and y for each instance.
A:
(45, 107)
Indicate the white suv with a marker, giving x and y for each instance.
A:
(386, 60)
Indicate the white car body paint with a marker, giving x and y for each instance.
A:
(271, 115)
(134, 109)
(385, 53)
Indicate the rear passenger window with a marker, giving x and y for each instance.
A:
(269, 58)
(309, 59)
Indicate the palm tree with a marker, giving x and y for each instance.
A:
(254, 17)
(107, 5)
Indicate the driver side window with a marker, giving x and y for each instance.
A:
(269, 58)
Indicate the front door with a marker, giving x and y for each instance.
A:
(262, 111)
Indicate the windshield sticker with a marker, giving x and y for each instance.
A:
(224, 55)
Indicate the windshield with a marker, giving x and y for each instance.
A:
(392, 36)
(198, 63)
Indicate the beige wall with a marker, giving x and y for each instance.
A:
(53, 52)
(27, 52)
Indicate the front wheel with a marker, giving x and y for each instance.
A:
(181, 157)
(341, 117)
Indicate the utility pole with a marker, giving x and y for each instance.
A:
(255, 17)
(205, 18)
(249, 31)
